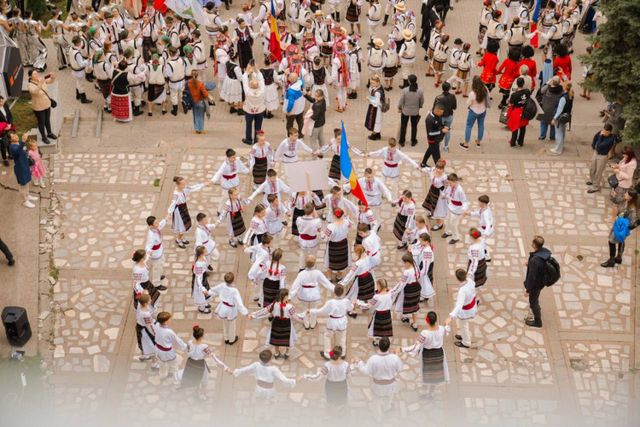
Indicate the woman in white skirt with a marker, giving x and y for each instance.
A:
(196, 370)
(337, 372)
(429, 345)
(179, 209)
(231, 91)
(435, 203)
(271, 97)
(144, 328)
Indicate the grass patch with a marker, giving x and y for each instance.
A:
(23, 116)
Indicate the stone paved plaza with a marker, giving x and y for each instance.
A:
(581, 367)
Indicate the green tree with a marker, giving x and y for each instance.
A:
(616, 61)
(38, 7)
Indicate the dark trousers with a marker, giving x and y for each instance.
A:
(518, 135)
(612, 249)
(404, 120)
(44, 122)
(4, 146)
(299, 121)
(250, 120)
(534, 304)
(432, 151)
(5, 250)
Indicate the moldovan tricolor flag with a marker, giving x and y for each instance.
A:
(274, 37)
(346, 167)
(534, 23)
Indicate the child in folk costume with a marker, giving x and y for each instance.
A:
(141, 283)
(457, 205)
(381, 324)
(154, 247)
(434, 38)
(335, 201)
(336, 309)
(298, 203)
(375, 56)
(421, 226)
(489, 64)
(337, 256)
(392, 158)
(382, 368)
(175, 72)
(436, 203)
(232, 211)
(408, 302)
(405, 218)
(179, 209)
(199, 283)
(166, 342)
(374, 15)
(308, 227)
(220, 65)
(373, 118)
(306, 288)
(391, 61)
(340, 76)
(231, 90)
(354, 68)
(156, 92)
(288, 149)
(461, 76)
(243, 37)
(485, 217)
(365, 217)
(259, 254)
(465, 309)
(196, 371)
(360, 277)
(273, 276)
(354, 9)
(440, 55)
(144, 328)
(281, 333)
(452, 60)
(276, 216)
(272, 99)
(273, 185)
(477, 265)
(257, 226)
(265, 375)
(337, 372)
(407, 55)
(422, 252)
(429, 346)
(103, 70)
(204, 238)
(334, 145)
(228, 172)
(260, 159)
(371, 243)
(229, 307)
(373, 188)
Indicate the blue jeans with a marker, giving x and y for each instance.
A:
(561, 132)
(543, 131)
(447, 121)
(198, 116)
(249, 131)
(471, 118)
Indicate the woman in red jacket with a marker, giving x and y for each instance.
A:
(562, 59)
(489, 62)
(527, 59)
(509, 70)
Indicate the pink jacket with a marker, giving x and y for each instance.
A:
(625, 173)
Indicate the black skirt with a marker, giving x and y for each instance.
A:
(142, 330)
(338, 255)
(259, 170)
(353, 13)
(399, 226)
(370, 118)
(237, 223)
(256, 239)
(294, 226)
(382, 324)
(410, 303)
(389, 72)
(433, 366)
(334, 170)
(320, 195)
(366, 287)
(183, 210)
(480, 276)
(336, 392)
(270, 289)
(431, 200)
(154, 92)
(193, 373)
(280, 332)
(154, 293)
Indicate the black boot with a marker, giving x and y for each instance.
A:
(337, 16)
(618, 259)
(136, 110)
(211, 55)
(609, 263)
(77, 94)
(174, 110)
(386, 18)
(84, 100)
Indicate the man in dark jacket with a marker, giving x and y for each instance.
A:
(318, 112)
(449, 103)
(436, 131)
(534, 281)
(603, 142)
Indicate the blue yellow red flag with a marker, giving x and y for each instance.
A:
(346, 168)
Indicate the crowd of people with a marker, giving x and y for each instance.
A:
(142, 55)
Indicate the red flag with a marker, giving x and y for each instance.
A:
(534, 39)
(160, 6)
(274, 38)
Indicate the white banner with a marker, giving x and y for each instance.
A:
(191, 9)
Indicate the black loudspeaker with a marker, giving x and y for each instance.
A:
(16, 325)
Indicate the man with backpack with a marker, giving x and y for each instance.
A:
(542, 270)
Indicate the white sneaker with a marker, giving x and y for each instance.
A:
(42, 185)
(28, 204)
(30, 197)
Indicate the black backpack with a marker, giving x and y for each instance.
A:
(530, 109)
(551, 271)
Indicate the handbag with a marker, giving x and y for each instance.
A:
(54, 104)
(613, 181)
(503, 115)
(564, 118)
